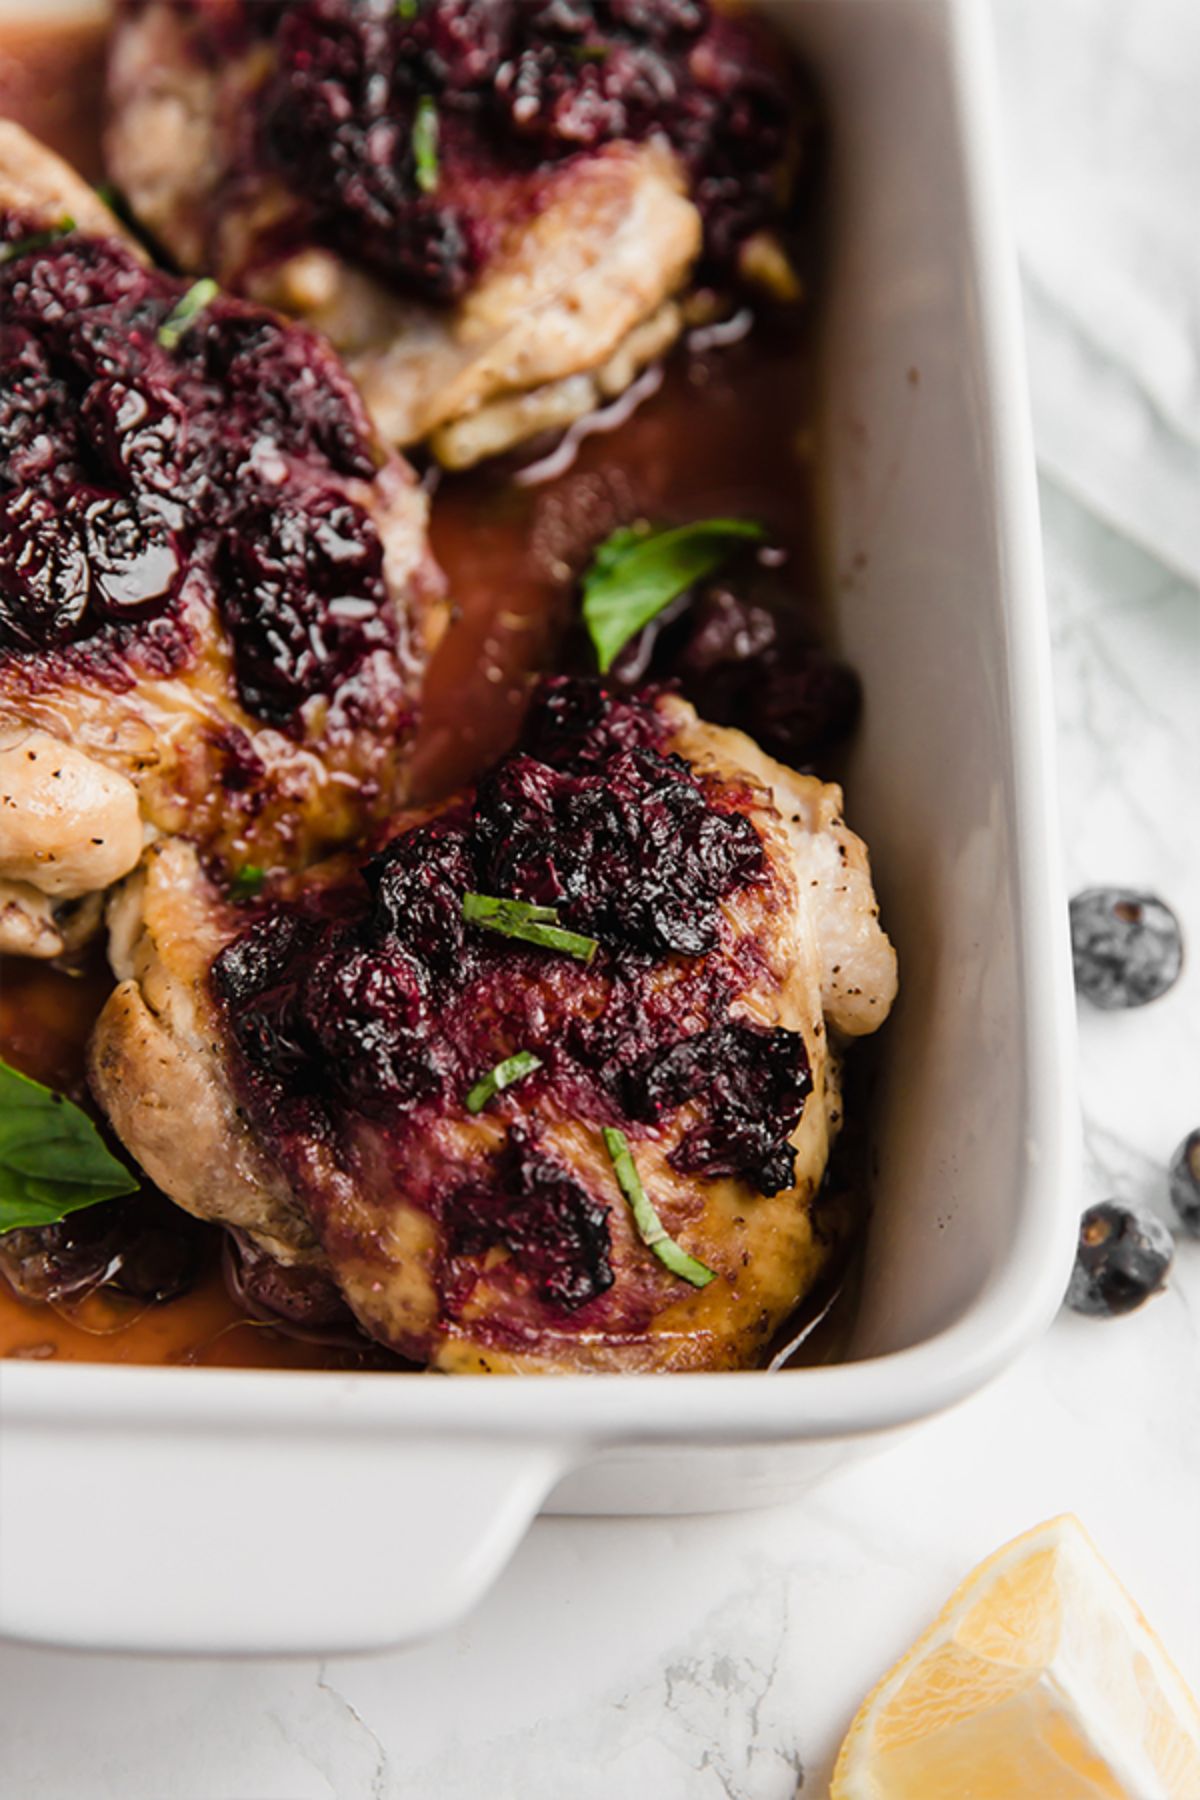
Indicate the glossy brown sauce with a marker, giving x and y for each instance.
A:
(725, 433)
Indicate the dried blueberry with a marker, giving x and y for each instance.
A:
(1183, 1179)
(1123, 1258)
(1127, 947)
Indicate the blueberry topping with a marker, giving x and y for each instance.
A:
(1123, 1259)
(755, 1081)
(516, 86)
(1127, 947)
(303, 595)
(135, 474)
(1184, 1182)
(532, 1206)
(373, 998)
(139, 1245)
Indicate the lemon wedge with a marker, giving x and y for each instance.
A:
(1039, 1680)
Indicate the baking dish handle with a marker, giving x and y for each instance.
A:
(236, 1544)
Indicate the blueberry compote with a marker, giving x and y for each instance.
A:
(374, 1001)
(147, 475)
(412, 131)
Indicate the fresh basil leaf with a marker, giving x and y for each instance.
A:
(505, 1075)
(53, 1160)
(247, 882)
(425, 144)
(532, 924)
(187, 310)
(636, 572)
(650, 1227)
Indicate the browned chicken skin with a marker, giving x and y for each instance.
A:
(491, 207)
(216, 598)
(304, 1076)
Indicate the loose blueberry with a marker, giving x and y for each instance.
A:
(1123, 1258)
(1127, 947)
(1183, 1179)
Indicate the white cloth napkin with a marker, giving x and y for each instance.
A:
(1102, 118)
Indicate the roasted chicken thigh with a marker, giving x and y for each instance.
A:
(491, 207)
(216, 597)
(548, 1080)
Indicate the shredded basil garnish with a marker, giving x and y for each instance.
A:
(425, 144)
(651, 1229)
(504, 1075)
(186, 312)
(247, 882)
(533, 924)
(636, 572)
(53, 1161)
(40, 240)
(407, 9)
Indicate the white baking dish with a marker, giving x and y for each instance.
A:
(226, 1511)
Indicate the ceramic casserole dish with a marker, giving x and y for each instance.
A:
(207, 1490)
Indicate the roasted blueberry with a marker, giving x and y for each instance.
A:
(1184, 1182)
(515, 85)
(130, 468)
(1127, 947)
(557, 1234)
(304, 598)
(1122, 1259)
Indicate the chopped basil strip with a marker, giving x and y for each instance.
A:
(189, 308)
(39, 241)
(247, 882)
(512, 1069)
(425, 144)
(651, 1229)
(532, 924)
(407, 9)
(53, 1161)
(637, 572)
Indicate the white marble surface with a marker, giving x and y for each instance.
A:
(714, 1658)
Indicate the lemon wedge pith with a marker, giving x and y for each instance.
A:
(1039, 1680)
